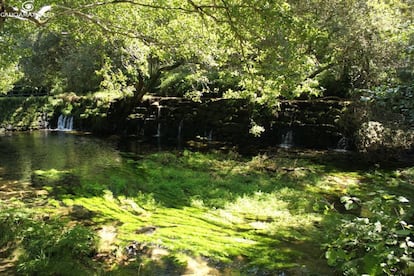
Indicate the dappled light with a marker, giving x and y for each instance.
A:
(205, 137)
(180, 211)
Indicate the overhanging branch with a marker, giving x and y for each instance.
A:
(320, 70)
(104, 27)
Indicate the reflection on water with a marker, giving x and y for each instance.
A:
(84, 165)
(23, 153)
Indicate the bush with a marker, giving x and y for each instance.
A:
(379, 242)
(384, 140)
(383, 121)
(56, 249)
(11, 224)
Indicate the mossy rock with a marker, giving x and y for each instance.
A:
(79, 212)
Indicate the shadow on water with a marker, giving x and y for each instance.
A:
(69, 163)
(187, 187)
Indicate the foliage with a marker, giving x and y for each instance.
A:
(8, 77)
(389, 102)
(55, 248)
(259, 49)
(384, 139)
(382, 120)
(256, 130)
(377, 243)
(361, 43)
(46, 247)
(114, 80)
(23, 113)
(11, 224)
(262, 214)
(60, 63)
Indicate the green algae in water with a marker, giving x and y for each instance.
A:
(217, 211)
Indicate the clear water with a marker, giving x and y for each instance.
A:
(98, 164)
(21, 154)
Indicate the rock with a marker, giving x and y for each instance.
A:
(146, 230)
(133, 248)
(81, 213)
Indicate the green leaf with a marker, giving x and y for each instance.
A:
(333, 256)
(403, 233)
(372, 264)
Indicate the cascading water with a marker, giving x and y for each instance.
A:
(342, 145)
(180, 134)
(65, 123)
(210, 136)
(287, 140)
(158, 134)
(180, 130)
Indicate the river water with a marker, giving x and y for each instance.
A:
(23, 153)
(87, 166)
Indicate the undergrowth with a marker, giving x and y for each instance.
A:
(52, 247)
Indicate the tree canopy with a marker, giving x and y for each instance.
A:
(257, 49)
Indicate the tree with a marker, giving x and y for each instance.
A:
(272, 48)
(360, 42)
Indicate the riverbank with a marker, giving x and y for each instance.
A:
(82, 203)
(308, 124)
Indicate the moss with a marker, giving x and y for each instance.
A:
(224, 212)
(22, 113)
(215, 206)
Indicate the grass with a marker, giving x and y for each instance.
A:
(214, 213)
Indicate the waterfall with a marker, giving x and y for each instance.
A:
(180, 130)
(158, 118)
(158, 130)
(158, 134)
(343, 144)
(180, 134)
(210, 136)
(65, 122)
(287, 140)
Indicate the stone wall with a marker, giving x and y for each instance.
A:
(24, 113)
(311, 124)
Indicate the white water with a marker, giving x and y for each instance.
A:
(342, 145)
(180, 130)
(159, 122)
(287, 140)
(210, 136)
(65, 123)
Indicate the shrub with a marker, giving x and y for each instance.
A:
(379, 138)
(385, 121)
(55, 249)
(379, 242)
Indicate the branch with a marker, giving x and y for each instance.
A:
(171, 66)
(233, 27)
(97, 4)
(197, 8)
(113, 29)
(201, 10)
(320, 70)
